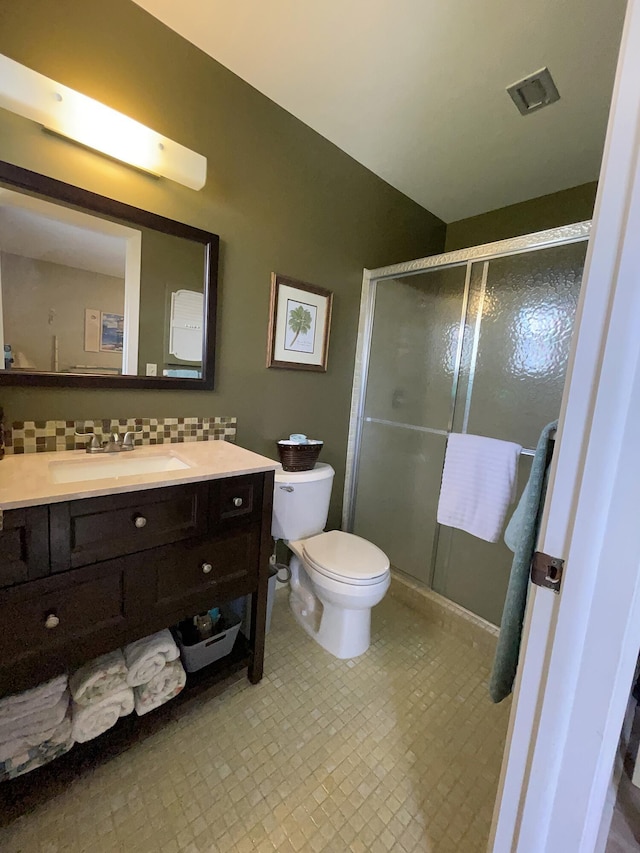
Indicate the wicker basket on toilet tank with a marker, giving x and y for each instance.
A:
(299, 457)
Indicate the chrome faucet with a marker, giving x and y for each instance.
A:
(115, 444)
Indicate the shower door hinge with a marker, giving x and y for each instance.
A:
(547, 571)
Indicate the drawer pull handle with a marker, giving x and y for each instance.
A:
(238, 501)
(140, 521)
(206, 568)
(52, 621)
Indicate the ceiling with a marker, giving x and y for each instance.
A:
(32, 228)
(415, 89)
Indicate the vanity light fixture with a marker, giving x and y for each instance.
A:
(82, 119)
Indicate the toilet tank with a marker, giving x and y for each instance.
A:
(301, 502)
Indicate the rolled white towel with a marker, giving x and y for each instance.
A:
(98, 678)
(28, 741)
(89, 721)
(162, 687)
(38, 698)
(35, 723)
(33, 752)
(145, 658)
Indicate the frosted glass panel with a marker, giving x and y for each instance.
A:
(520, 318)
(528, 314)
(475, 573)
(398, 487)
(414, 346)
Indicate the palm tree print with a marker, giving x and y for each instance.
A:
(299, 322)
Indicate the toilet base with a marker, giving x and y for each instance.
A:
(343, 632)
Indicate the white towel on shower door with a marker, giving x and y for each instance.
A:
(478, 484)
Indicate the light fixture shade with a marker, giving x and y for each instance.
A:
(88, 122)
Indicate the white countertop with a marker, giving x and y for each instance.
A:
(25, 480)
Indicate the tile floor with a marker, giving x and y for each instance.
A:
(624, 835)
(398, 751)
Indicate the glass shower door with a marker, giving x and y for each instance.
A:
(479, 347)
(408, 410)
(520, 318)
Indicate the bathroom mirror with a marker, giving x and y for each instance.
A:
(96, 293)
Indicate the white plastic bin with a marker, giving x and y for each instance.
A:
(197, 655)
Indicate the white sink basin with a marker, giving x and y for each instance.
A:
(125, 464)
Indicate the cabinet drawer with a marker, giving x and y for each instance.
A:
(95, 529)
(39, 618)
(193, 577)
(236, 498)
(24, 545)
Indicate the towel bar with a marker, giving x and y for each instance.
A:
(526, 451)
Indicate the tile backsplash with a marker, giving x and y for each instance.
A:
(41, 436)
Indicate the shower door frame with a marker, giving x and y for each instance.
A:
(564, 235)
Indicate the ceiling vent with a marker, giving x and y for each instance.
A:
(534, 92)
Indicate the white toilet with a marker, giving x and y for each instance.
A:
(336, 577)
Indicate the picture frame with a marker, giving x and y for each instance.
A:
(111, 332)
(299, 324)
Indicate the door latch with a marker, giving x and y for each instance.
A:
(547, 571)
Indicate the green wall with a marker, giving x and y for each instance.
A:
(167, 264)
(536, 214)
(280, 196)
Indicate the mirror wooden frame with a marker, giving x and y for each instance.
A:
(54, 190)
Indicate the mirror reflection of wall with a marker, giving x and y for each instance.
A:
(89, 294)
(59, 267)
(43, 307)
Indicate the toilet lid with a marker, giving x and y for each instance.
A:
(345, 556)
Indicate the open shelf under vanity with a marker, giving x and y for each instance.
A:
(21, 795)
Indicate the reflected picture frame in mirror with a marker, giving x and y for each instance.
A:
(118, 215)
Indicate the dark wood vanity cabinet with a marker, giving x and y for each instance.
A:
(24, 545)
(90, 530)
(80, 578)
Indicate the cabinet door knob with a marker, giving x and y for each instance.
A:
(140, 521)
(238, 501)
(51, 621)
(206, 568)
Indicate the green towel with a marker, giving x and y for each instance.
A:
(524, 528)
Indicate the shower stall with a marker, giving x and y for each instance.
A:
(476, 341)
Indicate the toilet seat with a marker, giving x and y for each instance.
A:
(346, 558)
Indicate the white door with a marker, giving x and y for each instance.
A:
(580, 647)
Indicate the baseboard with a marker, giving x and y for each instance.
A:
(444, 613)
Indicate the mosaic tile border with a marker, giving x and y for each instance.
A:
(43, 436)
(447, 614)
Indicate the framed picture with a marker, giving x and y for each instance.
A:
(299, 323)
(111, 332)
